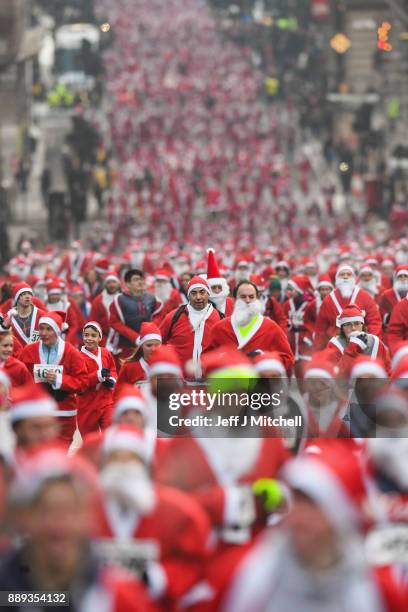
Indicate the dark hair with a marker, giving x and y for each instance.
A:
(245, 282)
(131, 273)
(341, 333)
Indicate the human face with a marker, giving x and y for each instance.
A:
(352, 327)
(148, 347)
(6, 346)
(282, 272)
(91, 338)
(53, 298)
(198, 298)
(136, 285)
(57, 524)
(185, 279)
(216, 289)
(346, 274)
(311, 534)
(34, 431)
(324, 291)
(132, 417)
(320, 391)
(25, 299)
(47, 335)
(366, 277)
(112, 287)
(403, 277)
(246, 293)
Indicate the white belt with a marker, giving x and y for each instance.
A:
(67, 413)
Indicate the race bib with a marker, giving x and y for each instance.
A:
(132, 555)
(388, 545)
(40, 371)
(35, 336)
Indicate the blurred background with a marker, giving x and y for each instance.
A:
(340, 65)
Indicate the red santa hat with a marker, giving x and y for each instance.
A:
(321, 367)
(401, 269)
(164, 360)
(367, 367)
(56, 320)
(364, 269)
(344, 268)
(350, 314)
(401, 371)
(45, 464)
(55, 287)
(197, 282)
(129, 397)
(244, 260)
(18, 289)
(227, 362)
(125, 437)
(301, 283)
(148, 331)
(400, 353)
(267, 361)
(324, 281)
(77, 289)
(111, 276)
(95, 325)
(335, 480)
(31, 401)
(213, 274)
(102, 265)
(162, 274)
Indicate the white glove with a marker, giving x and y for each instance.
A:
(13, 312)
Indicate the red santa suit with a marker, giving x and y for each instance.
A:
(333, 305)
(265, 335)
(397, 330)
(16, 371)
(276, 312)
(299, 333)
(71, 378)
(164, 308)
(33, 333)
(344, 353)
(218, 473)
(101, 305)
(190, 335)
(95, 404)
(74, 265)
(386, 303)
(132, 373)
(73, 316)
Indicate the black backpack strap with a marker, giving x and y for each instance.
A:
(175, 318)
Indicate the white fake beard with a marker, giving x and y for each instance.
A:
(128, 484)
(218, 299)
(163, 291)
(60, 305)
(244, 313)
(391, 455)
(402, 287)
(370, 286)
(346, 286)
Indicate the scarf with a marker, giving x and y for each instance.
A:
(197, 320)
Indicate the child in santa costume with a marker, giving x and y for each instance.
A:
(353, 341)
(96, 403)
(135, 369)
(60, 368)
(14, 368)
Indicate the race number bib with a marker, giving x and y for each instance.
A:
(388, 545)
(41, 369)
(35, 336)
(132, 555)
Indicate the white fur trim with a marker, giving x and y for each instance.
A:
(325, 283)
(343, 268)
(122, 440)
(48, 321)
(142, 339)
(198, 286)
(368, 368)
(157, 579)
(164, 368)
(402, 352)
(54, 291)
(20, 291)
(318, 373)
(4, 379)
(94, 324)
(397, 274)
(129, 403)
(270, 364)
(29, 409)
(359, 342)
(111, 277)
(58, 381)
(316, 480)
(343, 321)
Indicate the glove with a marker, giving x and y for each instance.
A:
(109, 383)
(362, 337)
(269, 492)
(13, 312)
(105, 372)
